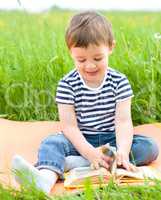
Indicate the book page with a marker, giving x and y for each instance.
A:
(81, 172)
(77, 176)
(142, 173)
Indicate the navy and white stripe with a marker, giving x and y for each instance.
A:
(95, 108)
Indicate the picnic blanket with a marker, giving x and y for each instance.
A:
(24, 138)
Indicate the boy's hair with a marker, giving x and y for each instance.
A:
(89, 27)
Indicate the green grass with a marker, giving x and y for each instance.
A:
(112, 191)
(33, 57)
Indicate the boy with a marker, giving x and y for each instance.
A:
(94, 104)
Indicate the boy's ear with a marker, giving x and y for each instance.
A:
(71, 52)
(112, 46)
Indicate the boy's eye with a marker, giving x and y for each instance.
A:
(98, 59)
(81, 61)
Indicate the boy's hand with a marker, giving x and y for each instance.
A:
(98, 159)
(122, 159)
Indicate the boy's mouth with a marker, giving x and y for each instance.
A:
(92, 73)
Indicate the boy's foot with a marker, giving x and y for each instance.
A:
(24, 171)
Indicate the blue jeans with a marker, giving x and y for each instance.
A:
(57, 153)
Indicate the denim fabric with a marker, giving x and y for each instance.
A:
(58, 154)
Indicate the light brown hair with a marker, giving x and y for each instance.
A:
(89, 27)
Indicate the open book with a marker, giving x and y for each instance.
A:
(76, 177)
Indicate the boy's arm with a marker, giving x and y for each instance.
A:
(124, 132)
(71, 131)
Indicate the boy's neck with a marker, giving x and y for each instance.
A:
(95, 84)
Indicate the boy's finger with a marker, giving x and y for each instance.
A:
(106, 158)
(129, 166)
(133, 167)
(125, 164)
(104, 164)
(119, 159)
(95, 165)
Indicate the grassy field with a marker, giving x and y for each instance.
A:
(33, 57)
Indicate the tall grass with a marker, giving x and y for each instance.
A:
(33, 57)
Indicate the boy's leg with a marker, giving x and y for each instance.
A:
(53, 151)
(26, 173)
(75, 161)
(144, 150)
(51, 161)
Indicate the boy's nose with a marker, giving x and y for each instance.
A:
(90, 66)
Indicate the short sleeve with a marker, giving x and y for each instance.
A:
(123, 90)
(64, 93)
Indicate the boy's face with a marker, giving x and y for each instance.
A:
(91, 62)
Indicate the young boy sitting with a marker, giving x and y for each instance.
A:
(94, 104)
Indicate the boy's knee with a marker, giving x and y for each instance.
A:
(57, 138)
(57, 143)
(146, 152)
(152, 149)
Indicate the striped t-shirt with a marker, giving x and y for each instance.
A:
(94, 107)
